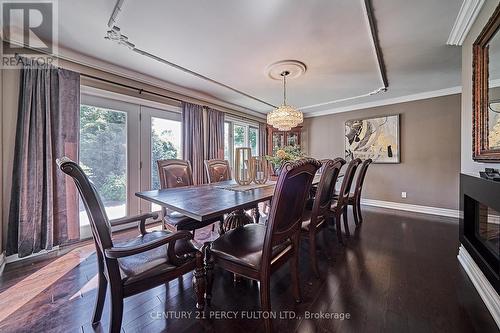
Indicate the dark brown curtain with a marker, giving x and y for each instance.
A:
(215, 134)
(44, 206)
(193, 141)
(263, 139)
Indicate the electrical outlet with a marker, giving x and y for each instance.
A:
(403, 195)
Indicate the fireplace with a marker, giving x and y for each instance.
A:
(480, 224)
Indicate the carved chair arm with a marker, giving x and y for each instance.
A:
(125, 251)
(137, 218)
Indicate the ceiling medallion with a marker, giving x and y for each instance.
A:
(295, 69)
(285, 117)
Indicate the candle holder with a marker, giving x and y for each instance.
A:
(259, 169)
(242, 168)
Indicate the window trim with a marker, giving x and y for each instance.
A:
(147, 113)
(232, 121)
(134, 108)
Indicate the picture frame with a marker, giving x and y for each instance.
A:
(377, 138)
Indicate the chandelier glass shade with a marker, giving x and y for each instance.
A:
(285, 117)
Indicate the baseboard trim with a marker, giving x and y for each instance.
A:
(483, 286)
(15, 257)
(3, 261)
(412, 208)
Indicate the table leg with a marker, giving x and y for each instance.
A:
(237, 218)
(256, 213)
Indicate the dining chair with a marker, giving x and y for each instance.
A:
(317, 216)
(340, 203)
(131, 267)
(355, 198)
(314, 187)
(217, 171)
(174, 173)
(255, 250)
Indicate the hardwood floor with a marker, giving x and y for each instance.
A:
(397, 273)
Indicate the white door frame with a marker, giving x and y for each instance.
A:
(147, 113)
(133, 149)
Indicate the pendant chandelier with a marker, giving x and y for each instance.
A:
(285, 117)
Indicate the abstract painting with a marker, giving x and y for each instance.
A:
(375, 138)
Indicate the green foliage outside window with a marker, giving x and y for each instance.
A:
(103, 150)
(162, 149)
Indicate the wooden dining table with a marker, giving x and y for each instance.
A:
(208, 201)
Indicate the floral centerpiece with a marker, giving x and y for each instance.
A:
(285, 154)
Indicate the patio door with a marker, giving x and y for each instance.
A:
(120, 142)
(109, 154)
(161, 135)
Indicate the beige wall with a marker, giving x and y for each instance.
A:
(467, 164)
(430, 151)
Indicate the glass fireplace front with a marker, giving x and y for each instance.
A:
(480, 224)
(488, 228)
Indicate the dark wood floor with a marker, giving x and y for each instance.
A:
(398, 273)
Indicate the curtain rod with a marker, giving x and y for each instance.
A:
(141, 91)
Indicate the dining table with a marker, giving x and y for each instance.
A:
(208, 201)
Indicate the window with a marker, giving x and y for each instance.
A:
(161, 135)
(103, 157)
(119, 145)
(238, 134)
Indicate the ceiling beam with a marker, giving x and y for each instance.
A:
(376, 43)
(372, 23)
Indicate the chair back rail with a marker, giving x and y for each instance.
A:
(217, 170)
(361, 177)
(292, 189)
(99, 222)
(347, 182)
(175, 173)
(326, 189)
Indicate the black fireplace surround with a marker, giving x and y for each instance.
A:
(480, 224)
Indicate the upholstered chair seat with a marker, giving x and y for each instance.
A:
(154, 262)
(183, 222)
(250, 240)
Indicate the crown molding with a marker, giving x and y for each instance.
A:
(465, 18)
(388, 101)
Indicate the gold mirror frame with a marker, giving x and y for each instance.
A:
(480, 150)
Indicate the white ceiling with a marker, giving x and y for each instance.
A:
(234, 41)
